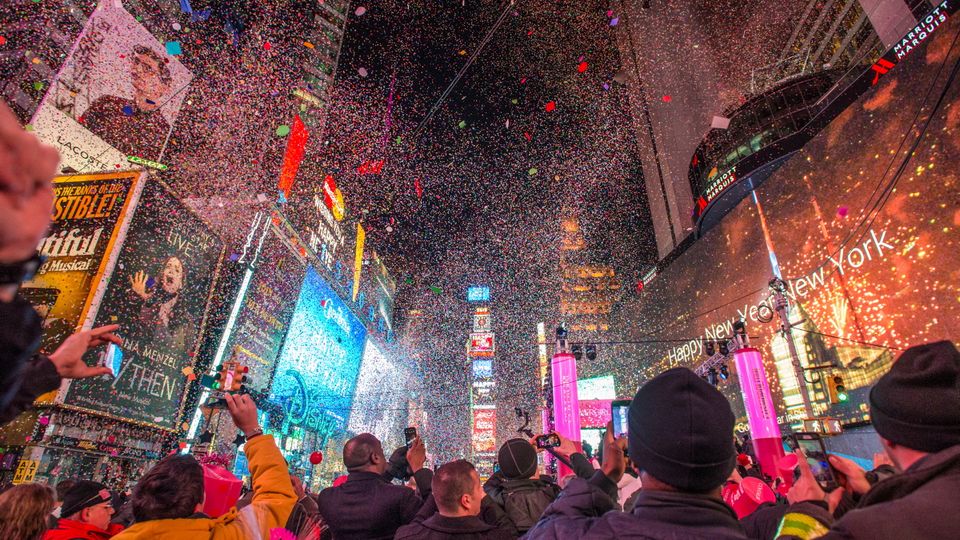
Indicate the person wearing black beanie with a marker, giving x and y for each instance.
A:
(915, 408)
(681, 441)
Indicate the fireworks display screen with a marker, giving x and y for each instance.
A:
(870, 256)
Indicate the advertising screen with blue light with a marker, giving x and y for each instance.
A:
(478, 294)
(483, 369)
(318, 367)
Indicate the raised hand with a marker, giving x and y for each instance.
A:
(68, 358)
(138, 284)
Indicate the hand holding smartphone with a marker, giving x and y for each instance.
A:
(817, 458)
(548, 440)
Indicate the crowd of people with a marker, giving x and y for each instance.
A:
(664, 480)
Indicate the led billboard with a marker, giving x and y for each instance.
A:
(320, 360)
(478, 294)
(870, 255)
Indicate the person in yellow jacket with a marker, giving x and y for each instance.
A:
(168, 499)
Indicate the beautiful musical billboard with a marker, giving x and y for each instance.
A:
(863, 225)
(87, 213)
(159, 294)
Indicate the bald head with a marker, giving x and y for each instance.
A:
(364, 453)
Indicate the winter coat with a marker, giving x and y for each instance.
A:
(273, 500)
(583, 511)
(365, 506)
(763, 523)
(438, 527)
(524, 500)
(919, 503)
(626, 487)
(68, 529)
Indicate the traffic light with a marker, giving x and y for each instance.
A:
(836, 389)
(231, 377)
(223, 375)
(590, 350)
(240, 378)
(724, 372)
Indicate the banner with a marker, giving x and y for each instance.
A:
(87, 211)
(159, 295)
(118, 94)
(267, 309)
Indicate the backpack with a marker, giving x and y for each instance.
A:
(525, 500)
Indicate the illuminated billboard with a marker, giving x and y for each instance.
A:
(118, 94)
(482, 344)
(318, 366)
(87, 215)
(478, 294)
(484, 431)
(159, 293)
(866, 277)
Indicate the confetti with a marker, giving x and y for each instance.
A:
(360, 11)
(173, 48)
(283, 130)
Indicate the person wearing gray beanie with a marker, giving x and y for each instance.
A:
(681, 443)
(915, 408)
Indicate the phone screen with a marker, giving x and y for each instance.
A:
(816, 453)
(409, 434)
(619, 410)
(112, 358)
(549, 440)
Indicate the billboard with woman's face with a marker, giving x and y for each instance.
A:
(159, 295)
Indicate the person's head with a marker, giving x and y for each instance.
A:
(457, 489)
(517, 459)
(172, 275)
(915, 407)
(364, 453)
(88, 502)
(150, 77)
(24, 510)
(63, 487)
(172, 489)
(679, 434)
(587, 449)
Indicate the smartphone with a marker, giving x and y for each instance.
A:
(548, 440)
(618, 411)
(409, 434)
(112, 358)
(816, 452)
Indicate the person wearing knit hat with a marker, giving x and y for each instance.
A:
(680, 441)
(517, 459)
(86, 513)
(915, 409)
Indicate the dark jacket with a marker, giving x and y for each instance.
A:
(367, 507)
(583, 511)
(23, 376)
(919, 503)
(535, 493)
(491, 524)
(763, 523)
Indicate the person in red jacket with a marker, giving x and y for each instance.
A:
(86, 512)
